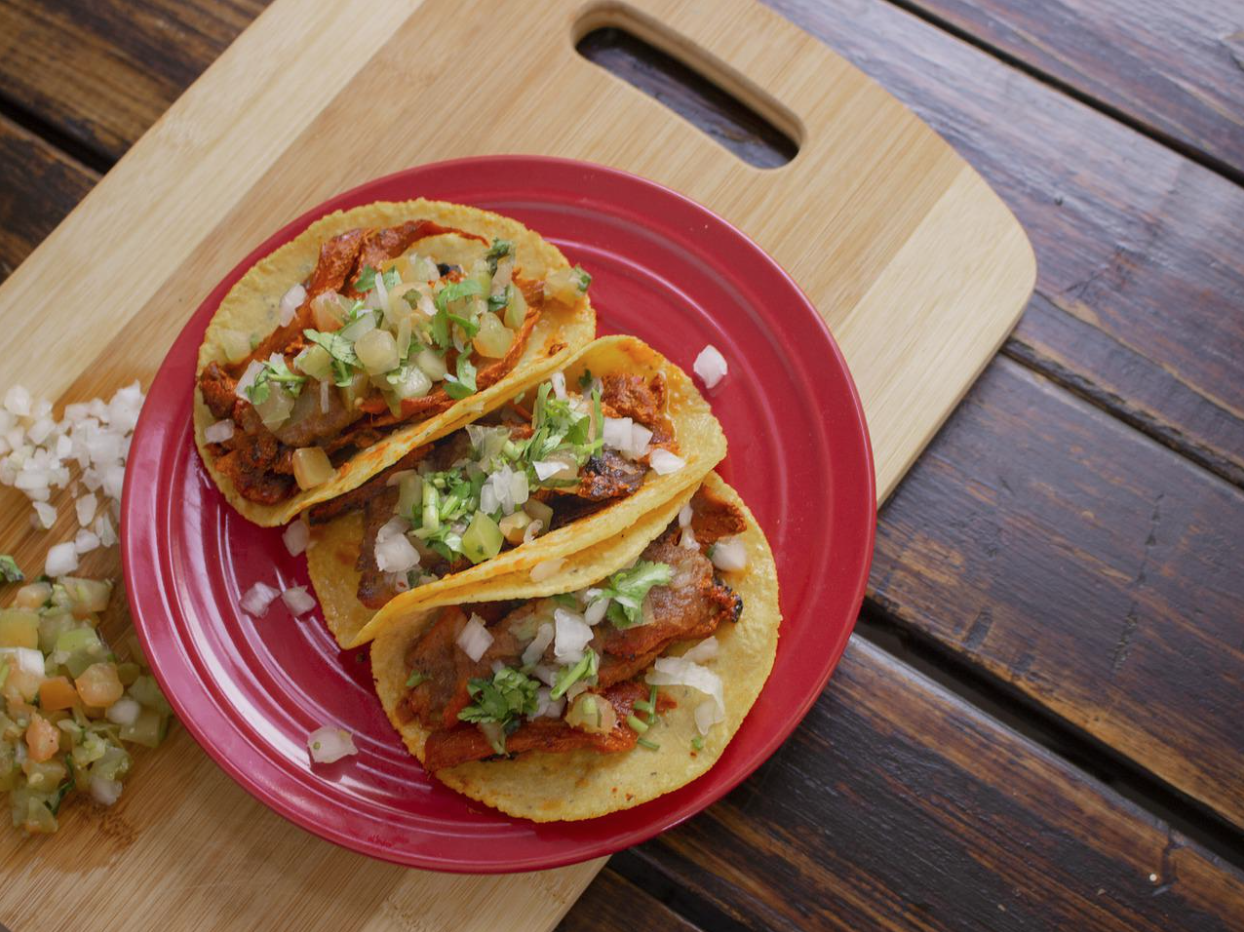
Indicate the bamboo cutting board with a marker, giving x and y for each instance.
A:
(916, 265)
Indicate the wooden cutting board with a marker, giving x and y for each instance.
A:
(916, 265)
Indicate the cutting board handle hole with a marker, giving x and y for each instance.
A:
(690, 83)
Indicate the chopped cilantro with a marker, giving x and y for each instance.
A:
(698, 743)
(367, 279)
(509, 695)
(469, 327)
(455, 292)
(649, 744)
(415, 679)
(274, 372)
(586, 379)
(566, 600)
(568, 676)
(499, 302)
(464, 383)
(9, 570)
(582, 278)
(345, 362)
(628, 588)
(58, 797)
(499, 250)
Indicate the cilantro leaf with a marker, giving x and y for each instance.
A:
(366, 280)
(586, 379)
(415, 678)
(499, 302)
(503, 699)
(582, 278)
(499, 249)
(9, 570)
(568, 676)
(628, 588)
(464, 384)
(455, 292)
(345, 362)
(469, 327)
(391, 278)
(274, 372)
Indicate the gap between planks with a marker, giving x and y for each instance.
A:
(994, 698)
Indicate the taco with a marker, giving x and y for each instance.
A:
(374, 331)
(580, 704)
(571, 464)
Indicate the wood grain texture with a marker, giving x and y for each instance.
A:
(39, 185)
(898, 806)
(1094, 571)
(1175, 68)
(614, 904)
(908, 240)
(1141, 252)
(129, 61)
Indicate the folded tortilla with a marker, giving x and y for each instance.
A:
(609, 534)
(585, 784)
(251, 308)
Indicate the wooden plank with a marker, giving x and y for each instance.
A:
(102, 72)
(1091, 569)
(1175, 68)
(38, 186)
(614, 904)
(1140, 252)
(898, 806)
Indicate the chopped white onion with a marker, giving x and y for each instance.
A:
(729, 554)
(17, 401)
(85, 507)
(218, 432)
(104, 791)
(330, 744)
(572, 635)
(684, 515)
(710, 366)
(248, 379)
(535, 650)
(546, 569)
(61, 560)
(554, 469)
(542, 671)
(595, 612)
(290, 302)
(665, 462)
(394, 551)
(533, 529)
(296, 536)
(704, 651)
(85, 541)
(27, 659)
(298, 600)
(104, 531)
(687, 540)
(46, 515)
(124, 711)
(627, 437)
(474, 638)
(257, 599)
(546, 706)
(677, 671)
(558, 381)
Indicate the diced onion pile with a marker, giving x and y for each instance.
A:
(84, 451)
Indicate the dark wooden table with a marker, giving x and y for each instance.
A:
(1038, 723)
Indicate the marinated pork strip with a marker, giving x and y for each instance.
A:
(458, 745)
(693, 606)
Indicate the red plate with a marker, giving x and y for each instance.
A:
(663, 268)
